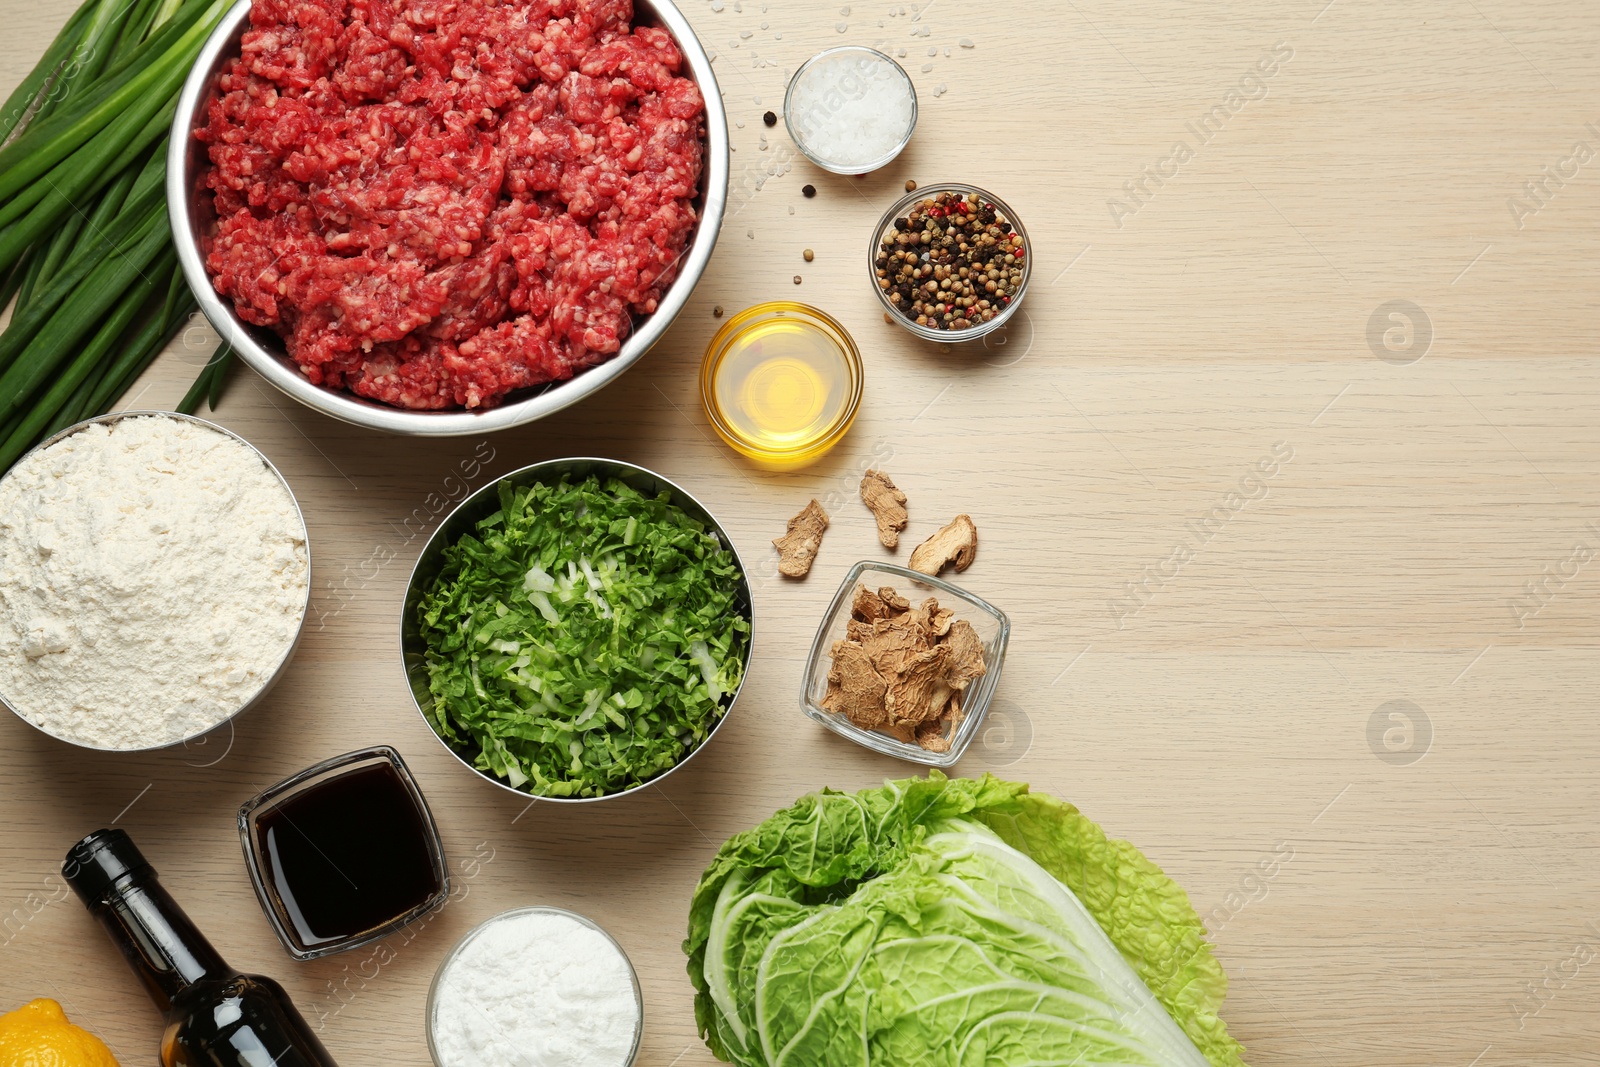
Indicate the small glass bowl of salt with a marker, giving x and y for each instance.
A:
(850, 110)
(537, 987)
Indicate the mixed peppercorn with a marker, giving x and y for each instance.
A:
(951, 262)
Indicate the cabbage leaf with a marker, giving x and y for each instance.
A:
(949, 923)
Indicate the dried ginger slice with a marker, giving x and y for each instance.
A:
(797, 548)
(869, 607)
(956, 543)
(855, 689)
(901, 670)
(887, 504)
(932, 735)
(966, 655)
(918, 688)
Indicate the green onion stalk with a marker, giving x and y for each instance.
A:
(87, 263)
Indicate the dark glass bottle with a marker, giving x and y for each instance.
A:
(216, 1017)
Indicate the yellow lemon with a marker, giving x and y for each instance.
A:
(39, 1035)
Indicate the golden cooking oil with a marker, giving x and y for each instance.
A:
(781, 383)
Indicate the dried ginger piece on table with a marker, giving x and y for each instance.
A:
(956, 543)
(887, 504)
(797, 548)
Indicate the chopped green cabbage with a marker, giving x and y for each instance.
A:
(949, 923)
(583, 640)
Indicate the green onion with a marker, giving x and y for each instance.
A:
(208, 386)
(137, 355)
(138, 87)
(85, 245)
(30, 281)
(66, 384)
(25, 100)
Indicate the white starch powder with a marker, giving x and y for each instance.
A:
(851, 109)
(536, 988)
(153, 575)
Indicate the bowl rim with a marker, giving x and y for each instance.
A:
(327, 770)
(923, 192)
(110, 418)
(622, 469)
(829, 166)
(717, 350)
(430, 1008)
(287, 377)
(962, 737)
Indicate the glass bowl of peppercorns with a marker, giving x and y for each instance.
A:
(950, 262)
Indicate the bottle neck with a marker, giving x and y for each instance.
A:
(165, 949)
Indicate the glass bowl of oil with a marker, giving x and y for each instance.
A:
(781, 383)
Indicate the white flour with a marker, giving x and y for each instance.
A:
(153, 575)
(539, 989)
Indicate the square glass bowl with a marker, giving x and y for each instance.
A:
(991, 624)
(343, 853)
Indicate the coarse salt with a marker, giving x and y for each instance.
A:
(851, 109)
(535, 988)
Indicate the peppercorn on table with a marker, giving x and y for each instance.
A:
(1284, 471)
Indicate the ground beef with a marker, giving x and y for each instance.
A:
(437, 202)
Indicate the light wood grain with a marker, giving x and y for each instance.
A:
(1159, 360)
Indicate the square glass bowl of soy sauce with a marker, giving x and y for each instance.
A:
(343, 853)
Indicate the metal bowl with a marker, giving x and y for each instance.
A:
(486, 501)
(192, 215)
(288, 654)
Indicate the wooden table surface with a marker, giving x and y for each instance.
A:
(1378, 661)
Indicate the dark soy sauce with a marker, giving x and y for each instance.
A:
(347, 855)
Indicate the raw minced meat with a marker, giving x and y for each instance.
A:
(437, 202)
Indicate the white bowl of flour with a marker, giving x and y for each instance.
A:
(154, 580)
(535, 987)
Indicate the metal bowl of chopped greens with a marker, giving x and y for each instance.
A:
(577, 630)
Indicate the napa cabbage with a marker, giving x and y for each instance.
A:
(949, 923)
